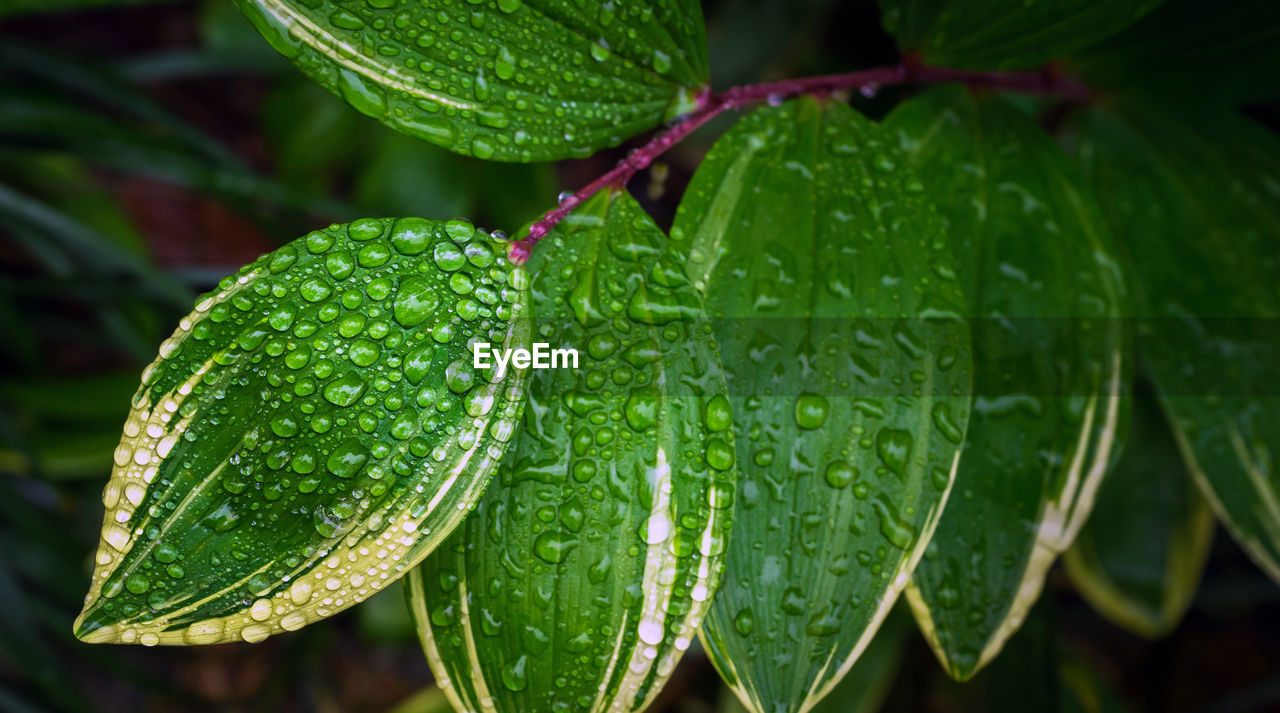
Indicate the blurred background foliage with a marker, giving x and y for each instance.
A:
(147, 149)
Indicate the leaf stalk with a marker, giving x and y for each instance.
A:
(710, 105)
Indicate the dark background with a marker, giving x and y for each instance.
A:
(147, 150)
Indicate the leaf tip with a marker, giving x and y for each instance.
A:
(90, 628)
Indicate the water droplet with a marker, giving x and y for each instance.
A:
(344, 390)
(719, 414)
(719, 454)
(893, 445)
(946, 424)
(513, 674)
(553, 547)
(811, 411)
(415, 301)
(840, 474)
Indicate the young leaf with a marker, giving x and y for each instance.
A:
(1193, 194)
(309, 433)
(1005, 34)
(582, 575)
(1046, 295)
(832, 287)
(512, 80)
(1139, 558)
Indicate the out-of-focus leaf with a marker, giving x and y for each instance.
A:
(1195, 195)
(511, 195)
(22, 7)
(512, 80)
(92, 248)
(406, 176)
(1203, 51)
(586, 569)
(383, 617)
(93, 399)
(1005, 34)
(1139, 558)
(226, 31)
(316, 138)
(428, 700)
(749, 38)
(99, 84)
(832, 287)
(62, 455)
(67, 184)
(57, 123)
(310, 432)
(1082, 689)
(69, 425)
(1046, 296)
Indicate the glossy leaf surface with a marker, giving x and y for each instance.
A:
(511, 80)
(311, 431)
(1046, 298)
(1194, 196)
(1138, 560)
(831, 285)
(1005, 34)
(583, 574)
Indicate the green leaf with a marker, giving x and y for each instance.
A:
(101, 252)
(1204, 51)
(25, 7)
(1083, 689)
(309, 433)
(1005, 34)
(512, 80)
(1194, 196)
(427, 700)
(1139, 558)
(1046, 294)
(60, 124)
(831, 284)
(865, 687)
(583, 574)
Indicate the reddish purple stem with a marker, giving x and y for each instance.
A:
(712, 105)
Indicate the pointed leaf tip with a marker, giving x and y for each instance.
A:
(309, 433)
(1050, 356)
(830, 280)
(590, 562)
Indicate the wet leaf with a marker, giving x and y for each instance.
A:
(1046, 296)
(582, 575)
(1193, 193)
(831, 285)
(510, 80)
(1005, 34)
(1139, 558)
(309, 433)
(865, 687)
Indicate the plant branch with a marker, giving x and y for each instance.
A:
(712, 105)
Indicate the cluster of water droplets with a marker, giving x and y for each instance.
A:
(617, 502)
(513, 79)
(838, 313)
(304, 430)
